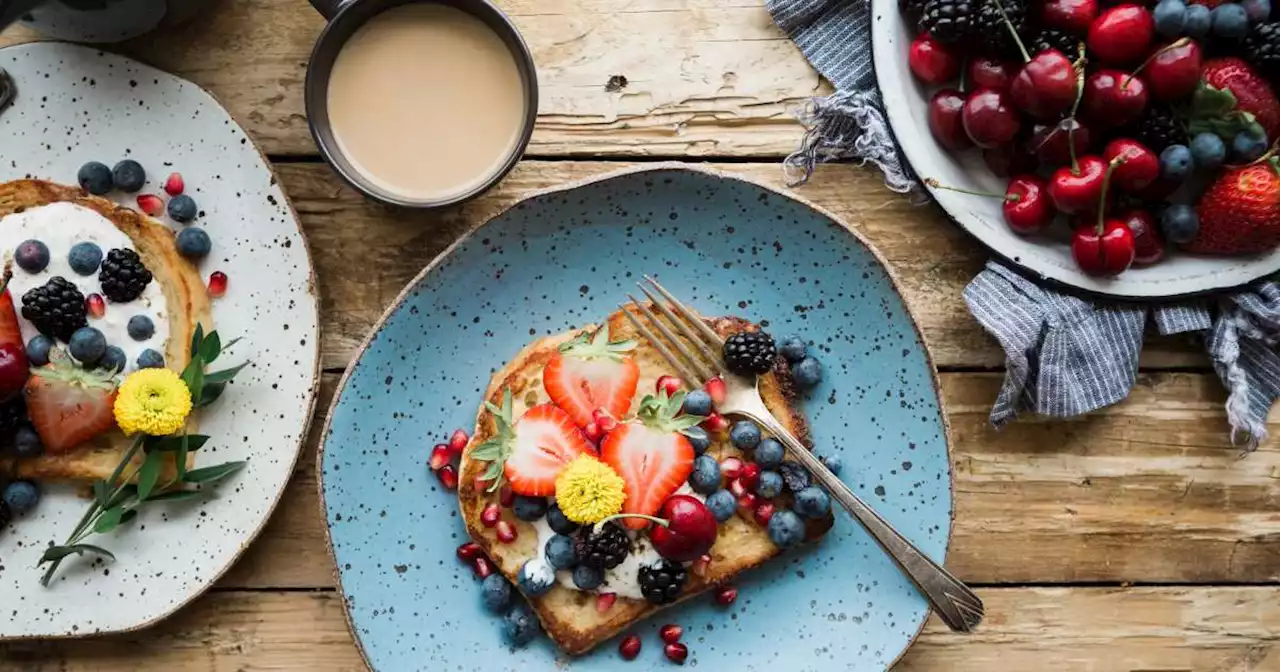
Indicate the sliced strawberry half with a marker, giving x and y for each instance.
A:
(651, 455)
(10, 332)
(69, 405)
(591, 372)
(531, 452)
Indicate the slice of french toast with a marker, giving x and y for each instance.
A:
(571, 617)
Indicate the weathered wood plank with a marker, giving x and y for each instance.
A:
(1147, 491)
(726, 85)
(1060, 629)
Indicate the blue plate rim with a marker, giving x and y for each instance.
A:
(665, 166)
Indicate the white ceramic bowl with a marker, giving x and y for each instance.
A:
(1045, 256)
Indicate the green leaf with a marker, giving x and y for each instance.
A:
(101, 493)
(227, 346)
(487, 452)
(129, 515)
(493, 471)
(59, 552)
(685, 422)
(169, 444)
(180, 459)
(211, 474)
(211, 393)
(196, 339)
(149, 474)
(175, 496)
(224, 375)
(211, 348)
(126, 493)
(193, 376)
(109, 520)
(1208, 101)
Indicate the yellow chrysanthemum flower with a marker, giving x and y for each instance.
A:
(588, 490)
(152, 401)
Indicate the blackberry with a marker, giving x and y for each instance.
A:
(749, 352)
(662, 581)
(1052, 38)
(1262, 48)
(948, 21)
(12, 414)
(1158, 128)
(603, 549)
(794, 476)
(123, 276)
(912, 9)
(55, 308)
(990, 32)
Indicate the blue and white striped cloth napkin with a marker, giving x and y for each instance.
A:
(1064, 355)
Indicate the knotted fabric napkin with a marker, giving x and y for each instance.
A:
(1064, 355)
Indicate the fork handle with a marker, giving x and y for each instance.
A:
(955, 603)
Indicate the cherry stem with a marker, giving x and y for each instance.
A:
(1012, 31)
(657, 521)
(964, 73)
(1180, 42)
(932, 182)
(1106, 184)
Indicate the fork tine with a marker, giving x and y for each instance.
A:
(689, 315)
(688, 375)
(704, 372)
(713, 357)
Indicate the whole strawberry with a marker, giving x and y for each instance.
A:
(1240, 213)
(1253, 93)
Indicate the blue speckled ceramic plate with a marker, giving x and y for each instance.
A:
(567, 258)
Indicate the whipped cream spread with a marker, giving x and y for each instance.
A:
(60, 226)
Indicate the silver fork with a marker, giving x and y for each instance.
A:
(700, 360)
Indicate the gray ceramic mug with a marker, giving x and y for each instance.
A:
(345, 17)
(97, 20)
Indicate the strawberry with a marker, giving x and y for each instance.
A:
(9, 330)
(590, 372)
(69, 405)
(15, 368)
(531, 452)
(651, 455)
(1253, 94)
(1240, 212)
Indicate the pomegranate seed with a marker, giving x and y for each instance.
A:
(440, 457)
(669, 384)
(593, 432)
(506, 496)
(458, 441)
(604, 420)
(151, 204)
(174, 185)
(506, 532)
(604, 601)
(448, 477)
(217, 284)
(715, 423)
(469, 551)
(670, 633)
(764, 512)
(736, 488)
(95, 306)
(725, 595)
(491, 515)
(482, 566)
(731, 467)
(747, 505)
(716, 388)
(676, 652)
(629, 647)
(699, 566)
(750, 475)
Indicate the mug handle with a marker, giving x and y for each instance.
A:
(330, 8)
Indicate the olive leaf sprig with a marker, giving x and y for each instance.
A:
(116, 500)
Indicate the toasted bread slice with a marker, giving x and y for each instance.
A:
(184, 292)
(570, 617)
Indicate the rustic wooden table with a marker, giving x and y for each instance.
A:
(1137, 538)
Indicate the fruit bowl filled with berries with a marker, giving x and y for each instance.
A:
(1122, 149)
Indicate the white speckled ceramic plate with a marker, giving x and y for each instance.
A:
(76, 104)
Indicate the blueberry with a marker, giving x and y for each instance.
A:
(705, 478)
(561, 552)
(182, 208)
(1248, 146)
(698, 437)
(87, 345)
(1179, 224)
(697, 402)
(1208, 150)
(129, 176)
(770, 484)
(807, 373)
(529, 508)
(26, 443)
(587, 578)
(536, 577)
(1170, 16)
(21, 496)
(31, 256)
(1256, 10)
(495, 593)
(786, 529)
(1197, 22)
(722, 504)
(1175, 163)
(113, 360)
(812, 502)
(834, 463)
(560, 523)
(95, 178)
(769, 454)
(150, 359)
(792, 348)
(520, 626)
(140, 328)
(1230, 21)
(194, 243)
(85, 258)
(744, 434)
(38, 349)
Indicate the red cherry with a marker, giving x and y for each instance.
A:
(1078, 190)
(690, 530)
(1113, 98)
(1159, 190)
(931, 61)
(1046, 86)
(989, 118)
(1147, 243)
(1122, 34)
(1007, 160)
(1052, 144)
(1107, 253)
(989, 73)
(945, 120)
(1026, 207)
(1073, 16)
(1139, 168)
(14, 369)
(629, 647)
(1174, 71)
